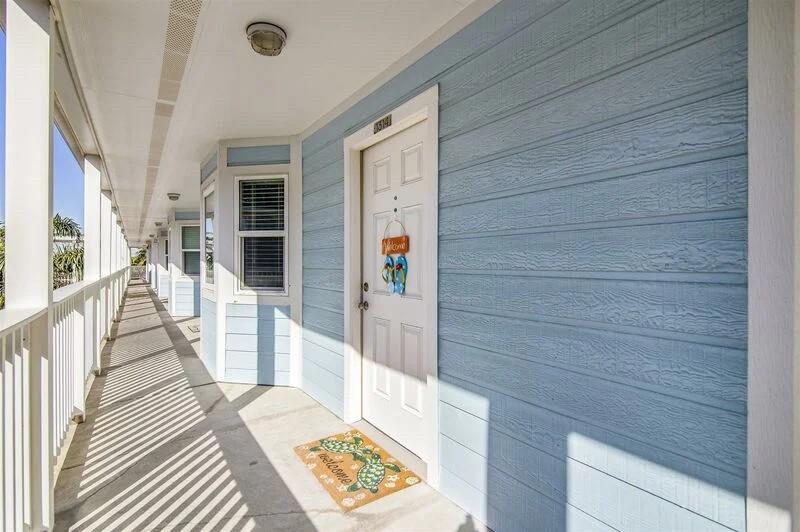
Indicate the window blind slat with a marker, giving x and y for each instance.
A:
(261, 205)
(190, 237)
(262, 262)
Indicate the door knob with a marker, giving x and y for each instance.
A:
(364, 305)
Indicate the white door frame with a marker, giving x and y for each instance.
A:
(424, 107)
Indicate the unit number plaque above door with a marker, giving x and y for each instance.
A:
(382, 124)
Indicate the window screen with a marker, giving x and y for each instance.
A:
(262, 233)
(262, 262)
(261, 204)
(209, 238)
(190, 247)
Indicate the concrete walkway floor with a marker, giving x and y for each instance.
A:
(164, 447)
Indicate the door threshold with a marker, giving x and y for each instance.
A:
(409, 459)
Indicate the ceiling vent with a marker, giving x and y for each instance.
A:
(181, 26)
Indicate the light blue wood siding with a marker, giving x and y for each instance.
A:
(187, 215)
(208, 334)
(187, 297)
(256, 155)
(163, 285)
(257, 344)
(592, 262)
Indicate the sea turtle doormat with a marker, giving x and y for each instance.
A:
(353, 469)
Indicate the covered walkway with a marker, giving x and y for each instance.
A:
(164, 447)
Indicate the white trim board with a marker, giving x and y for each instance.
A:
(422, 108)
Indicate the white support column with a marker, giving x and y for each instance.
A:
(29, 178)
(773, 267)
(92, 199)
(28, 240)
(91, 217)
(105, 233)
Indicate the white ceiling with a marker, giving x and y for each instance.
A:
(333, 49)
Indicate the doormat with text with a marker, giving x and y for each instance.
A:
(353, 469)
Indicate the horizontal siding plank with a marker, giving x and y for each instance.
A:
(716, 436)
(716, 246)
(622, 506)
(324, 279)
(322, 397)
(259, 326)
(323, 218)
(703, 309)
(324, 358)
(675, 134)
(715, 375)
(252, 376)
(257, 361)
(322, 259)
(325, 197)
(257, 311)
(562, 28)
(330, 383)
(324, 320)
(326, 341)
(694, 188)
(642, 88)
(319, 159)
(329, 238)
(326, 176)
(601, 54)
(325, 299)
(262, 344)
(650, 466)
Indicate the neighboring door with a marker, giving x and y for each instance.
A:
(394, 375)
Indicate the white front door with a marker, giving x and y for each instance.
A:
(394, 326)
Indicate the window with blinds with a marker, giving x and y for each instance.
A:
(261, 205)
(208, 230)
(261, 232)
(190, 249)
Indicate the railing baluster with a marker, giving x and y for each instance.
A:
(16, 357)
(27, 388)
(8, 437)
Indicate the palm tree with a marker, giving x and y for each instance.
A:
(67, 253)
(140, 259)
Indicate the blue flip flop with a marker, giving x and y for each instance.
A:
(387, 273)
(401, 275)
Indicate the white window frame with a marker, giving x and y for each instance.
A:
(183, 250)
(239, 288)
(204, 284)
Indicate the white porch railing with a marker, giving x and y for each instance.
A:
(47, 357)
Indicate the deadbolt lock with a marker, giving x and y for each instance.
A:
(365, 286)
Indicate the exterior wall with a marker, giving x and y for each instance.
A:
(255, 331)
(163, 284)
(592, 266)
(257, 344)
(208, 334)
(187, 297)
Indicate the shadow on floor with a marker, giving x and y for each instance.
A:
(162, 446)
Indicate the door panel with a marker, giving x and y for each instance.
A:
(394, 327)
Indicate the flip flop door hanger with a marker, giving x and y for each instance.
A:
(395, 270)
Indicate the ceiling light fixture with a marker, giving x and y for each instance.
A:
(173, 196)
(266, 39)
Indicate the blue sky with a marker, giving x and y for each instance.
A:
(67, 173)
